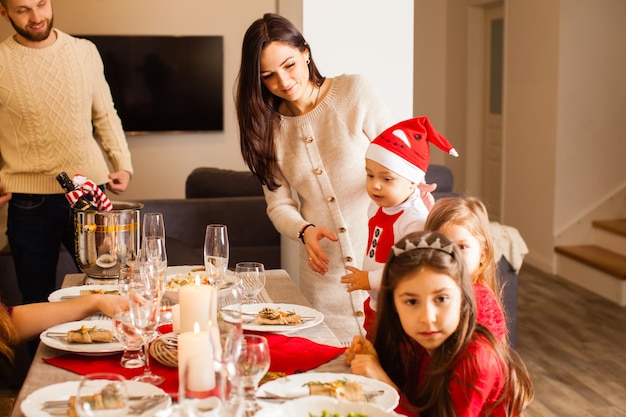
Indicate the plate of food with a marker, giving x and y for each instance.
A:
(318, 406)
(179, 276)
(274, 318)
(88, 337)
(53, 400)
(338, 386)
(80, 290)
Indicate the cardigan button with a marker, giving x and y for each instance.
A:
(309, 139)
(331, 199)
(359, 314)
(318, 171)
(342, 230)
(349, 259)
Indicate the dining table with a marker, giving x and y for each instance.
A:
(279, 288)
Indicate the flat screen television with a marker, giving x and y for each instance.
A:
(165, 83)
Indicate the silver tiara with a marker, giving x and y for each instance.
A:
(422, 244)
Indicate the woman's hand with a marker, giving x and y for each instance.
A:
(119, 181)
(318, 261)
(356, 280)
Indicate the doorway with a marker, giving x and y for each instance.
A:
(491, 174)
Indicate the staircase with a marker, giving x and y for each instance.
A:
(599, 267)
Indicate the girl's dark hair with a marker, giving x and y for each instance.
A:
(400, 357)
(257, 108)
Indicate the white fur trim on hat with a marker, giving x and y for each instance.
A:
(395, 163)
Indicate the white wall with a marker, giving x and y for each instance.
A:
(591, 139)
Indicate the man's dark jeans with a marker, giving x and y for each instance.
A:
(37, 225)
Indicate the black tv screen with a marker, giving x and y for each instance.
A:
(165, 83)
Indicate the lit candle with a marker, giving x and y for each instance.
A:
(195, 361)
(195, 305)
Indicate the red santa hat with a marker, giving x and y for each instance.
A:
(404, 149)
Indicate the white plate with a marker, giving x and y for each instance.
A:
(72, 292)
(314, 317)
(84, 348)
(174, 271)
(31, 406)
(293, 385)
(315, 405)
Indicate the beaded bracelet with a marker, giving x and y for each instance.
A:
(301, 232)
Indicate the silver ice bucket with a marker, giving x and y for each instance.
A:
(105, 241)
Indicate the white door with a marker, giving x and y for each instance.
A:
(492, 111)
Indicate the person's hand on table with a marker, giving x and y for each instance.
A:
(318, 260)
(106, 303)
(356, 280)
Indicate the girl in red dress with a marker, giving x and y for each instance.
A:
(461, 369)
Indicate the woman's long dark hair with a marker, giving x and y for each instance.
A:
(257, 108)
(401, 361)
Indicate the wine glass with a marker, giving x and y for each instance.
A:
(132, 342)
(216, 253)
(102, 394)
(251, 277)
(153, 225)
(144, 302)
(153, 254)
(252, 364)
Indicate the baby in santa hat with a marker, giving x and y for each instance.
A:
(395, 164)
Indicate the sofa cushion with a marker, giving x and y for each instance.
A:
(207, 182)
(251, 234)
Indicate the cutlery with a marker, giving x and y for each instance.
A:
(228, 310)
(270, 396)
(66, 403)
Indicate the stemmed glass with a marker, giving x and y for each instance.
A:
(153, 225)
(111, 388)
(132, 342)
(144, 294)
(253, 363)
(251, 277)
(216, 253)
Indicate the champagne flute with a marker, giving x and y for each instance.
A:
(253, 363)
(251, 277)
(216, 253)
(102, 394)
(144, 301)
(153, 253)
(153, 225)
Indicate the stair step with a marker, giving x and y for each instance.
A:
(617, 226)
(602, 259)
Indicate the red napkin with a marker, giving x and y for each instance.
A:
(291, 354)
(83, 365)
(288, 354)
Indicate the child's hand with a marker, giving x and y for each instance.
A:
(356, 280)
(359, 346)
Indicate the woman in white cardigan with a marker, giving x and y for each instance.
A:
(304, 136)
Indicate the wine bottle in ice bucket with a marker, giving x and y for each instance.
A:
(82, 203)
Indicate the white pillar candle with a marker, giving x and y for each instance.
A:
(196, 358)
(176, 318)
(195, 303)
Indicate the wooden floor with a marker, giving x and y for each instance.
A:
(574, 344)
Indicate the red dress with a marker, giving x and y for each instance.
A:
(477, 382)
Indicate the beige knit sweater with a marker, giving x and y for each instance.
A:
(321, 155)
(51, 102)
